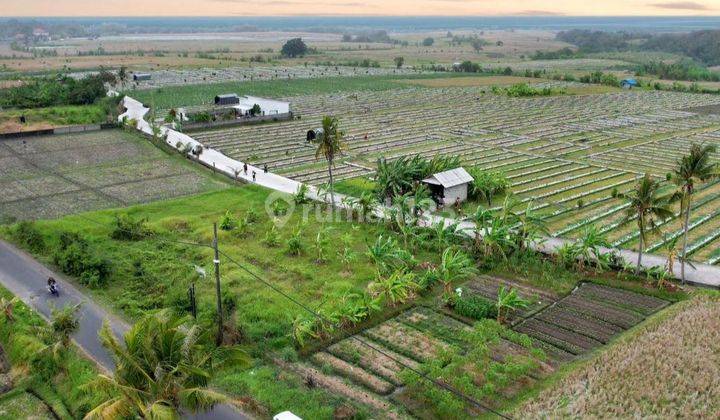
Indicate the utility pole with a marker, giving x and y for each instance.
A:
(216, 261)
(193, 304)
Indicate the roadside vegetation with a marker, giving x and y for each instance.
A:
(40, 364)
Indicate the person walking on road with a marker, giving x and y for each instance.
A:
(253, 176)
(245, 168)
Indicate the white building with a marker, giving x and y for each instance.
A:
(267, 106)
(449, 186)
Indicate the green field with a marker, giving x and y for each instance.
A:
(189, 95)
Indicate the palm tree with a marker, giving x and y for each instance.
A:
(329, 144)
(161, 369)
(508, 300)
(529, 226)
(481, 218)
(692, 169)
(454, 265)
(647, 202)
(588, 247)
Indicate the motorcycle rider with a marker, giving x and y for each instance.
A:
(52, 286)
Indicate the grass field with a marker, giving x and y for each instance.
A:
(667, 367)
(58, 116)
(16, 405)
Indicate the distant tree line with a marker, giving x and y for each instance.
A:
(681, 70)
(703, 46)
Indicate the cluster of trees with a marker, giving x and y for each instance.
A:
(703, 46)
(681, 70)
(369, 37)
(598, 41)
(59, 90)
(555, 55)
(398, 177)
(523, 90)
(294, 48)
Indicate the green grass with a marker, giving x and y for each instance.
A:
(277, 391)
(152, 274)
(18, 404)
(188, 95)
(355, 186)
(57, 115)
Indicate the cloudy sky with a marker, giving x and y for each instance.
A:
(356, 7)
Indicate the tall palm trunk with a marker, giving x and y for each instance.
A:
(332, 191)
(640, 249)
(686, 223)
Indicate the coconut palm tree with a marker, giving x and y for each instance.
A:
(648, 202)
(692, 169)
(163, 368)
(330, 144)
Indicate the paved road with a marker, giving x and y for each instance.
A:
(26, 278)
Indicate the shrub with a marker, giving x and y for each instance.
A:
(475, 307)
(129, 229)
(227, 222)
(74, 257)
(28, 236)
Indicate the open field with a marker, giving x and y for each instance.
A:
(668, 367)
(565, 153)
(372, 367)
(50, 176)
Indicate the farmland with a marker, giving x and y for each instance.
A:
(553, 331)
(630, 379)
(50, 176)
(565, 154)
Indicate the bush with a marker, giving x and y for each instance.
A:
(129, 229)
(74, 257)
(227, 222)
(475, 307)
(29, 237)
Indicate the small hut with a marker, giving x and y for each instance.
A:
(629, 83)
(450, 186)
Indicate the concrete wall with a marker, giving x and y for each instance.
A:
(453, 193)
(237, 122)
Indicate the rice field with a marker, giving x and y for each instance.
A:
(564, 153)
(51, 176)
(371, 368)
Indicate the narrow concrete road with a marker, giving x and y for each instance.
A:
(26, 278)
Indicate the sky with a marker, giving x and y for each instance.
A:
(239, 8)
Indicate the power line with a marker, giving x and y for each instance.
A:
(369, 345)
(313, 313)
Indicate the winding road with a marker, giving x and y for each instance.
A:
(26, 278)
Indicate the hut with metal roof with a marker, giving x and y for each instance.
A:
(449, 187)
(137, 77)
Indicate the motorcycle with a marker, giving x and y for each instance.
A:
(53, 290)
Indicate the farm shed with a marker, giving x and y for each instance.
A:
(227, 99)
(141, 76)
(449, 186)
(629, 83)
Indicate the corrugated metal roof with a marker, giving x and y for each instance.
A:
(451, 178)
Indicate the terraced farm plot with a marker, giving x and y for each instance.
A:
(374, 363)
(566, 154)
(589, 317)
(51, 176)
